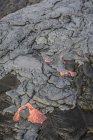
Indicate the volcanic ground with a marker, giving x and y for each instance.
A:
(46, 71)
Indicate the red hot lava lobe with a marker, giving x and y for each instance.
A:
(35, 116)
(67, 73)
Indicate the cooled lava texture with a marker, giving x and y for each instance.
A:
(48, 46)
(75, 124)
(7, 129)
(10, 6)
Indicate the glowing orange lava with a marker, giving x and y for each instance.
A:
(67, 73)
(34, 116)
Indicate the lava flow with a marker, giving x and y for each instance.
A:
(67, 73)
(34, 116)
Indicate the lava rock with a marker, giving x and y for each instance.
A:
(9, 82)
(88, 70)
(56, 29)
(10, 6)
(68, 125)
(63, 126)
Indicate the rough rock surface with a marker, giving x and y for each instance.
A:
(59, 29)
(7, 129)
(10, 6)
(75, 124)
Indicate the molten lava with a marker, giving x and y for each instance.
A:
(34, 116)
(67, 73)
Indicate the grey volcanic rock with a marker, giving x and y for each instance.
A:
(10, 6)
(58, 29)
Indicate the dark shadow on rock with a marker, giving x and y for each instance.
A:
(6, 121)
(8, 82)
(5, 101)
(6, 126)
(88, 137)
(68, 125)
